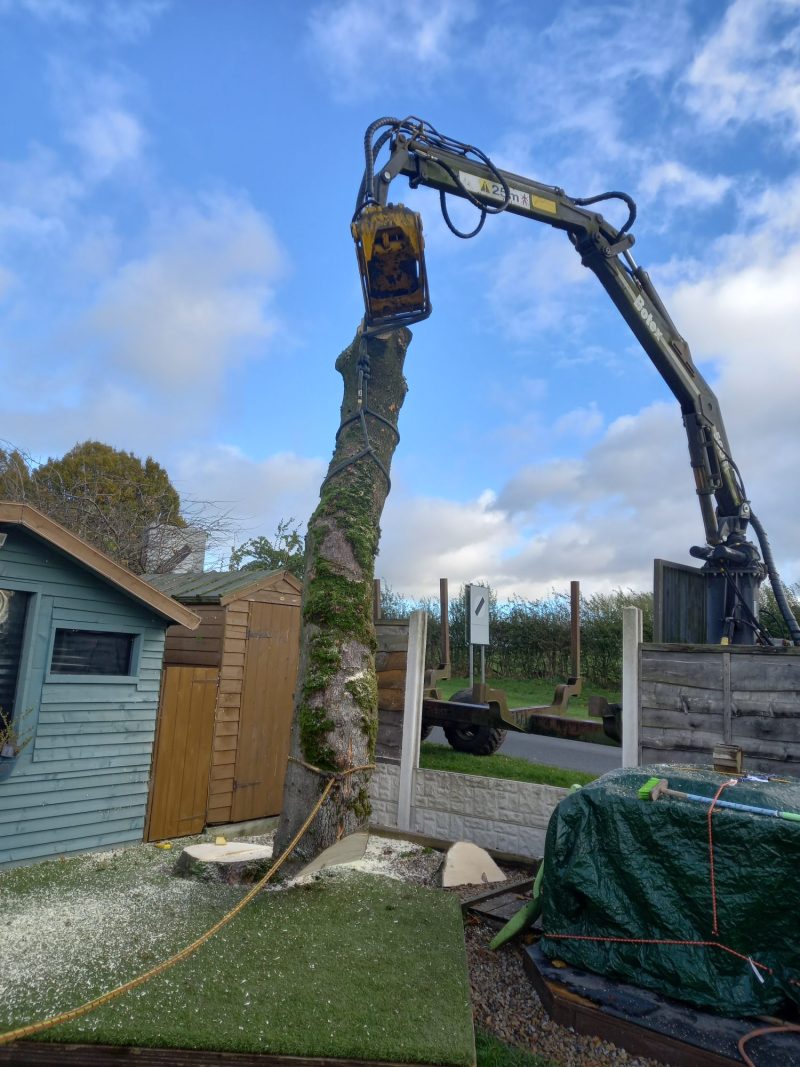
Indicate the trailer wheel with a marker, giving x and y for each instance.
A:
(477, 740)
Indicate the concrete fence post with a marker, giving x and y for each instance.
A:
(412, 716)
(631, 639)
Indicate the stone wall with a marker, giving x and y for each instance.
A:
(491, 812)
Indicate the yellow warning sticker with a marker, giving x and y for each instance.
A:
(492, 190)
(540, 203)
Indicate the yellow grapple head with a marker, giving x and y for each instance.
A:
(391, 260)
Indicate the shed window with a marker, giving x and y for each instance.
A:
(13, 608)
(92, 652)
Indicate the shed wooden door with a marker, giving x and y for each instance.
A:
(182, 758)
(266, 713)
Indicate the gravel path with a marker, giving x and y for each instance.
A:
(504, 1003)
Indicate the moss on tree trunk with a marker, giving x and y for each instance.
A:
(336, 700)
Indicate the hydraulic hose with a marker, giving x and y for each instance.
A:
(775, 581)
(366, 194)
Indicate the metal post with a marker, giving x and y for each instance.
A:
(575, 627)
(412, 716)
(631, 639)
(483, 664)
(376, 599)
(444, 609)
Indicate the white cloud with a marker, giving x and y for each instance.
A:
(553, 481)
(198, 301)
(533, 286)
(7, 280)
(258, 493)
(775, 212)
(580, 422)
(128, 20)
(600, 519)
(60, 413)
(426, 538)
(17, 221)
(746, 317)
(37, 195)
(749, 69)
(682, 184)
(364, 45)
(109, 137)
(68, 11)
(574, 76)
(97, 114)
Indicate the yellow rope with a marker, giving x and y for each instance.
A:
(90, 1005)
(331, 774)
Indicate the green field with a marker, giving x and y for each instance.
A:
(537, 692)
(443, 758)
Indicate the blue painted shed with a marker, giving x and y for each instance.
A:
(81, 649)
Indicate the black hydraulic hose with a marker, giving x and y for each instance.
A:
(364, 197)
(613, 195)
(761, 633)
(427, 135)
(774, 579)
(370, 151)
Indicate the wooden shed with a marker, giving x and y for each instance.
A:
(81, 645)
(226, 703)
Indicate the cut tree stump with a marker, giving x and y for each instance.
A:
(231, 864)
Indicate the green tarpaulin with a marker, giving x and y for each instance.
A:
(629, 882)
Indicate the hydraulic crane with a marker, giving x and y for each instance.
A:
(390, 249)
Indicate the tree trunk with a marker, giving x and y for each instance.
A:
(336, 700)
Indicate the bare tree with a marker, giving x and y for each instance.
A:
(335, 713)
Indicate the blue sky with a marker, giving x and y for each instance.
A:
(177, 275)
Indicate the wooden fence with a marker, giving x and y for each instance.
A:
(693, 697)
(390, 666)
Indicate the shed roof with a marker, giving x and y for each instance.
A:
(46, 529)
(221, 587)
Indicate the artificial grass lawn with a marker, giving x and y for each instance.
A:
(353, 966)
(533, 693)
(494, 1053)
(443, 758)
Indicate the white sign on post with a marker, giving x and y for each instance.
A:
(478, 608)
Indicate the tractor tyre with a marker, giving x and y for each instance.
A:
(425, 730)
(476, 740)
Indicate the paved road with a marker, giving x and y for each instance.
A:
(554, 751)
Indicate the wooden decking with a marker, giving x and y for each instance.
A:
(45, 1054)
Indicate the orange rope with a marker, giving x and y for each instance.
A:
(788, 1028)
(668, 941)
(714, 925)
(664, 941)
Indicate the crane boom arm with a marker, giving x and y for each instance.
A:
(605, 251)
(390, 250)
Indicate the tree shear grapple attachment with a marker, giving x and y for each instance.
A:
(391, 261)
